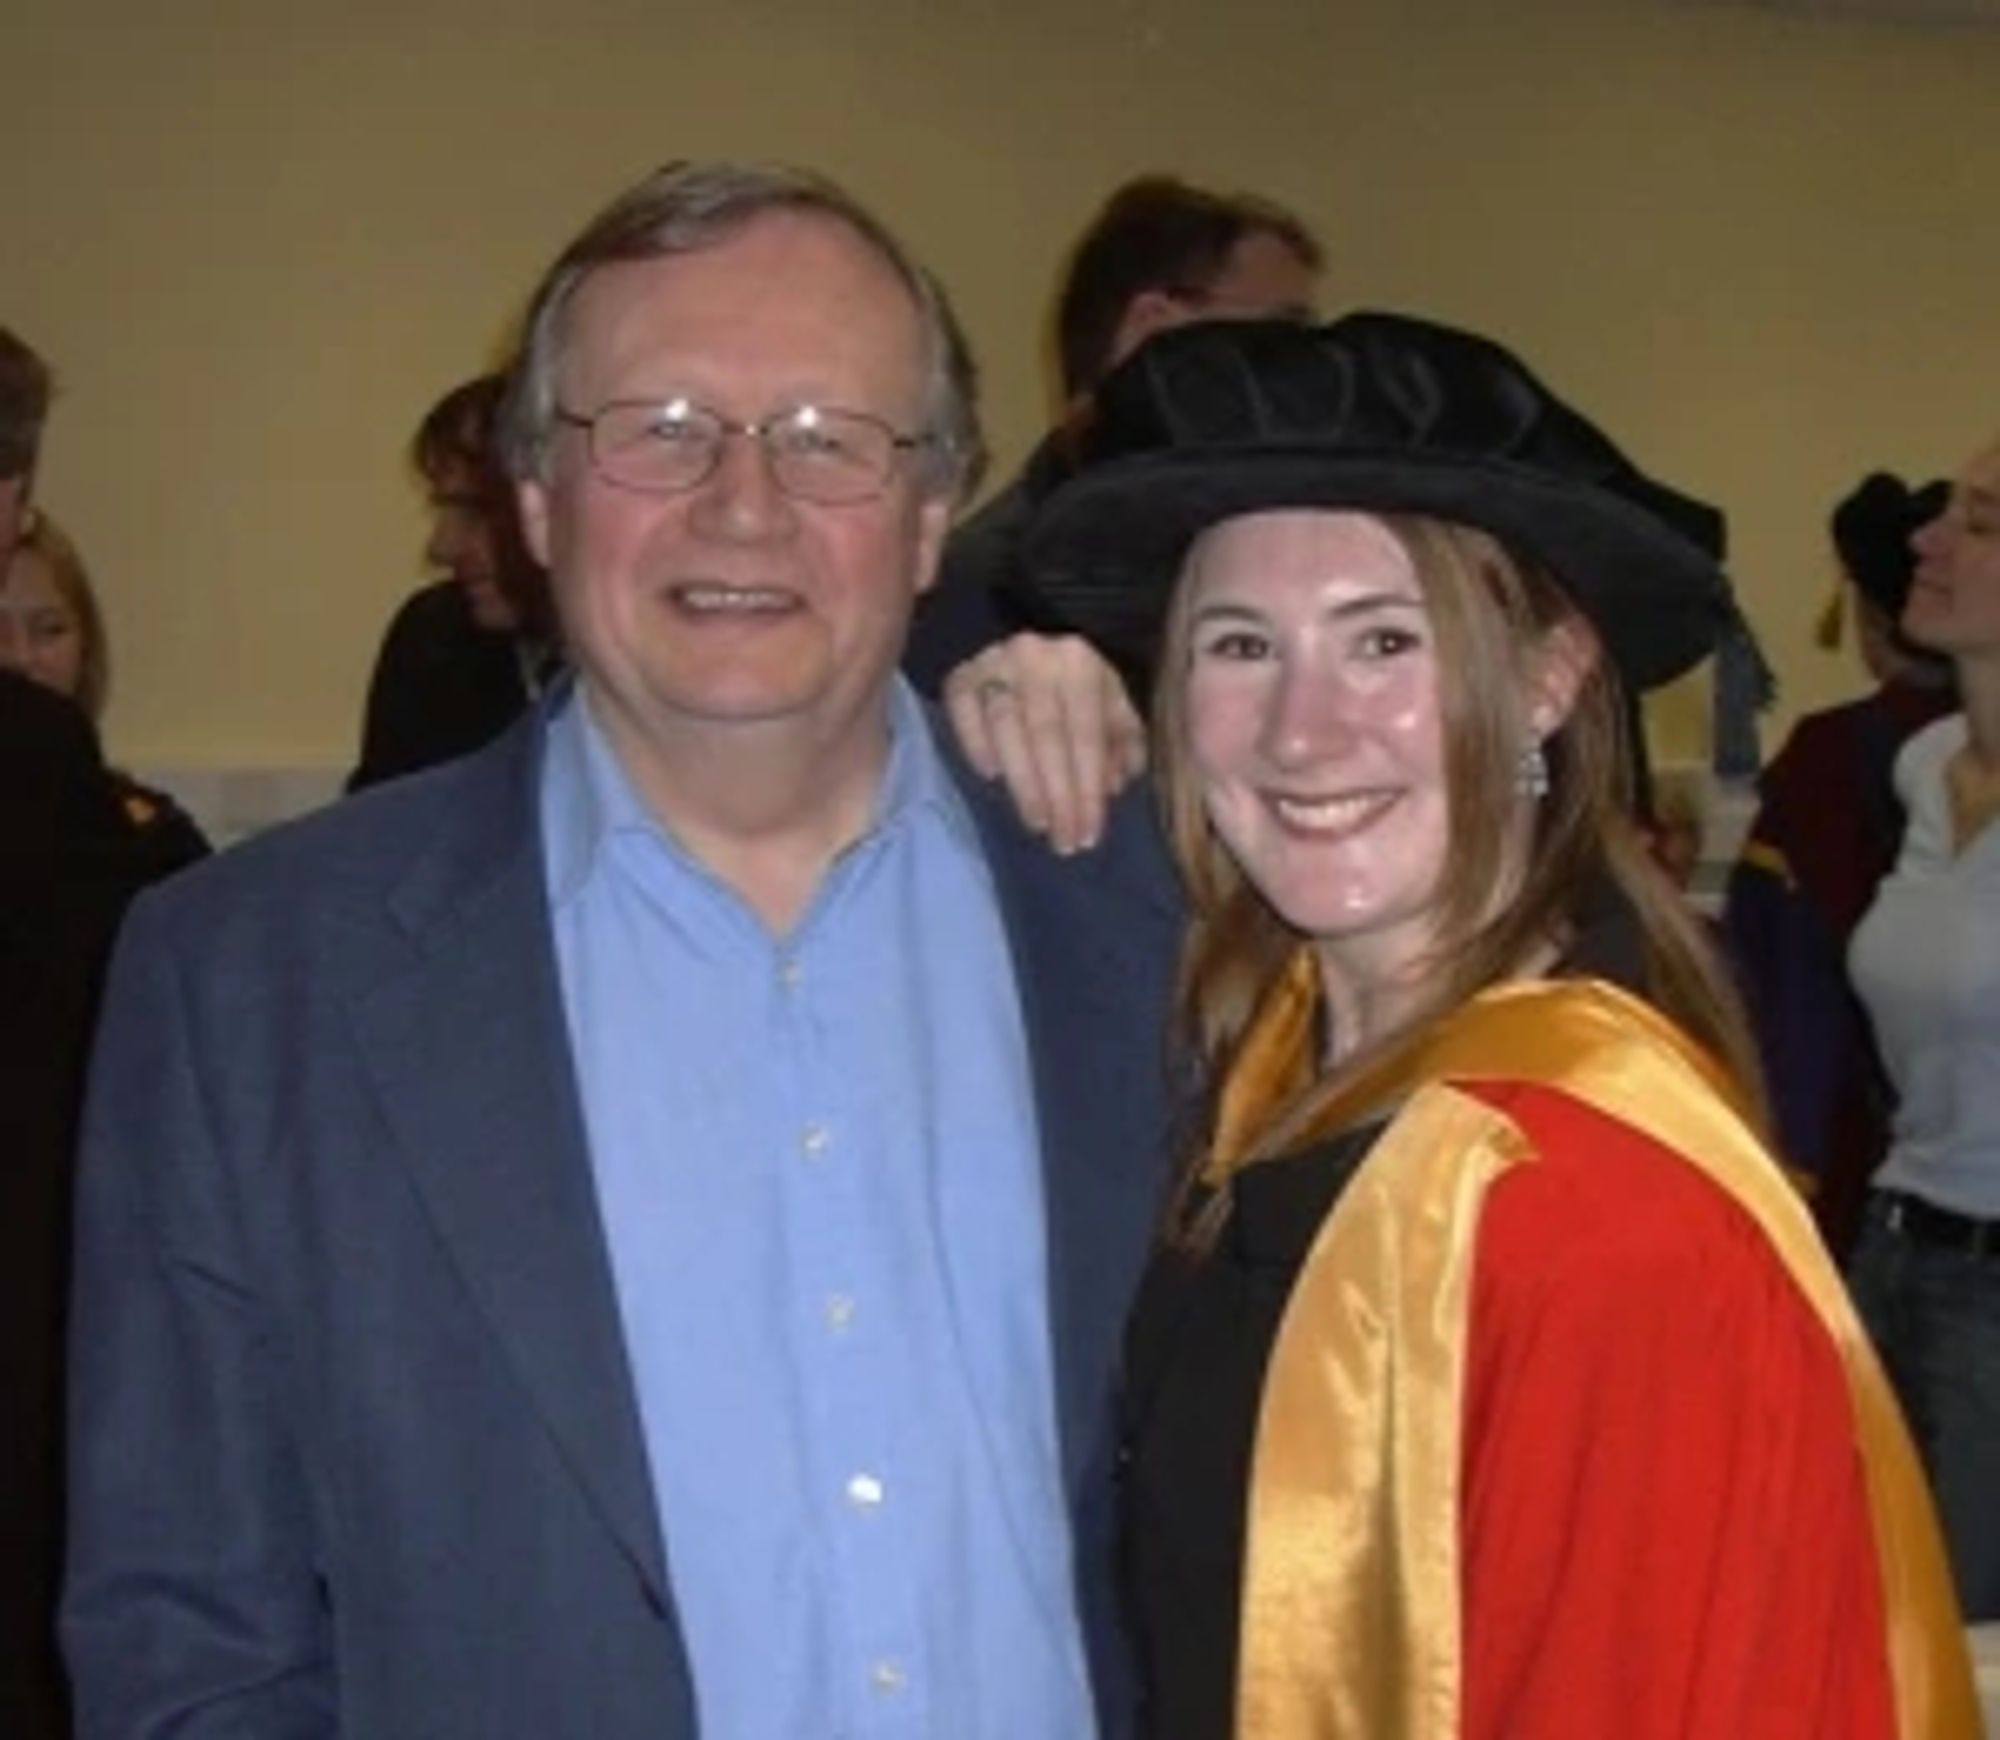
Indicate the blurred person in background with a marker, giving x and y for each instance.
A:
(1926, 961)
(1159, 253)
(25, 389)
(467, 654)
(1827, 829)
(69, 862)
(52, 631)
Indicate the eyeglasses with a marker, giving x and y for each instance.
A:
(815, 454)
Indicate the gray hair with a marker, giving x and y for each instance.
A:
(684, 207)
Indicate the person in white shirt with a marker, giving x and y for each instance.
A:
(1926, 962)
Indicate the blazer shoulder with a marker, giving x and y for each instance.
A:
(441, 832)
(1129, 866)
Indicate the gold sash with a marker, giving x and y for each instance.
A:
(1350, 1626)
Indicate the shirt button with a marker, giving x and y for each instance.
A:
(813, 1142)
(839, 1311)
(790, 974)
(864, 1492)
(887, 1677)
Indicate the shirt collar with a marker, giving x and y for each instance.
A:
(585, 796)
(917, 781)
(589, 799)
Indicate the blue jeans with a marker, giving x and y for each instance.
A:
(1934, 1314)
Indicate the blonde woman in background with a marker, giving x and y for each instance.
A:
(52, 631)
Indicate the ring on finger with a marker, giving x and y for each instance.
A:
(991, 688)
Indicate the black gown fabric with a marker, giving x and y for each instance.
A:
(1200, 1340)
(442, 687)
(70, 860)
(168, 838)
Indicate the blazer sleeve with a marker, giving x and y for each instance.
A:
(201, 1616)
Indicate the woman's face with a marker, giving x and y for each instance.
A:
(1313, 727)
(1954, 604)
(40, 635)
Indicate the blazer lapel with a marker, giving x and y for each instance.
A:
(1094, 999)
(470, 1053)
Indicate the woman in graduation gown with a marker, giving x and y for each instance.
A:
(1490, 1379)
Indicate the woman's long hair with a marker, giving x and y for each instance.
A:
(1515, 880)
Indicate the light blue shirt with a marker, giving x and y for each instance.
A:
(817, 1164)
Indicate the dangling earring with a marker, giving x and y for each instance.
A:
(1531, 772)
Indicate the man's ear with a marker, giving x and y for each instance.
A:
(1568, 653)
(531, 496)
(934, 517)
(1148, 312)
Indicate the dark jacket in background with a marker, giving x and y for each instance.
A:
(1827, 830)
(169, 838)
(973, 602)
(442, 687)
(69, 862)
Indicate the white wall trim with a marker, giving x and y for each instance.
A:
(233, 802)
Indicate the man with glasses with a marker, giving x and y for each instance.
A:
(629, 1232)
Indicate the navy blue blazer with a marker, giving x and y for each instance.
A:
(355, 1445)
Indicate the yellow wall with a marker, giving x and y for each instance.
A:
(258, 236)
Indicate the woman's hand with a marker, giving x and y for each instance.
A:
(1049, 717)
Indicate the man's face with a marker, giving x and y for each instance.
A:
(1261, 279)
(1954, 602)
(732, 606)
(462, 546)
